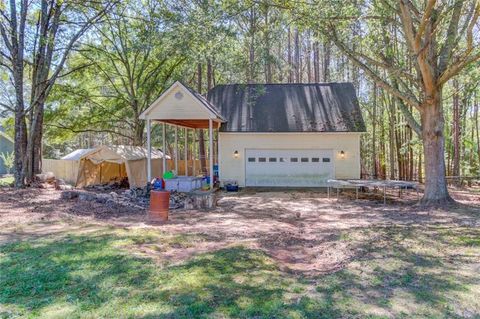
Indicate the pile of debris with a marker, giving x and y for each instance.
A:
(112, 199)
(139, 195)
(110, 186)
(142, 196)
(138, 198)
(48, 179)
(178, 200)
(138, 192)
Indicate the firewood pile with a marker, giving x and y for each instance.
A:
(142, 194)
(48, 180)
(114, 194)
(112, 199)
(110, 186)
(138, 198)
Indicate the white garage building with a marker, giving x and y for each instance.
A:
(273, 135)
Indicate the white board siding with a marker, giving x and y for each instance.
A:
(288, 168)
(183, 106)
(232, 168)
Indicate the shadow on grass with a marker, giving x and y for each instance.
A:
(413, 272)
(91, 276)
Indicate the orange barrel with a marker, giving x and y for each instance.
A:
(159, 204)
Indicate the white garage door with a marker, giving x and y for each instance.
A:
(288, 168)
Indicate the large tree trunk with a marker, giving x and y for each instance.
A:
(20, 129)
(434, 153)
(34, 143)
(138, 133)
(38, 146)
(20, 150)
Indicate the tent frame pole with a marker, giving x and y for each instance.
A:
(164, 150)
(149, 153)
(210, 142)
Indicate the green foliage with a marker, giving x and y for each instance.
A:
(136, 56)
(6, 181)
(8, 160)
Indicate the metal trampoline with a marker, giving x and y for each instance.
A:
(371, 183)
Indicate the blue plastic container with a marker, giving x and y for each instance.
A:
(157, 184)
(231, 188)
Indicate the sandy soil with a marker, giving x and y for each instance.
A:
(299, 229)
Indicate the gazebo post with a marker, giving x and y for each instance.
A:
(194, 148)
(210, 153)
(176, 149)
(185, 150)
(149, 154)
(164, 147)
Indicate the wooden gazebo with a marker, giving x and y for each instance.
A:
(182, 107)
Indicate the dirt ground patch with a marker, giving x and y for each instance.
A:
(302, 230)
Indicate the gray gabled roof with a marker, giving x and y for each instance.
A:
(316, 107)
(204, 101)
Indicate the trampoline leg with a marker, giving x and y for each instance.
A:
(384, 195)
(337, 193)
(356, 191)
(328, 192)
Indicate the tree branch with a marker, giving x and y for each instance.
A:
(74, 39)
(75, 69)
(76, 131)
(424, 21)
(456, 68)
(411, 100)
(452, 31)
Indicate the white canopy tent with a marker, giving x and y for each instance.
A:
(104, 164)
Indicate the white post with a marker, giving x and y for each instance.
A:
(185, 131)
(176, 149)
(164, 150)
(210, 153)
(149, 154)
(194, 148)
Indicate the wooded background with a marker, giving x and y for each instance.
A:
(134, 50)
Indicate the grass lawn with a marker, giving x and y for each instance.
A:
(401, 272)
